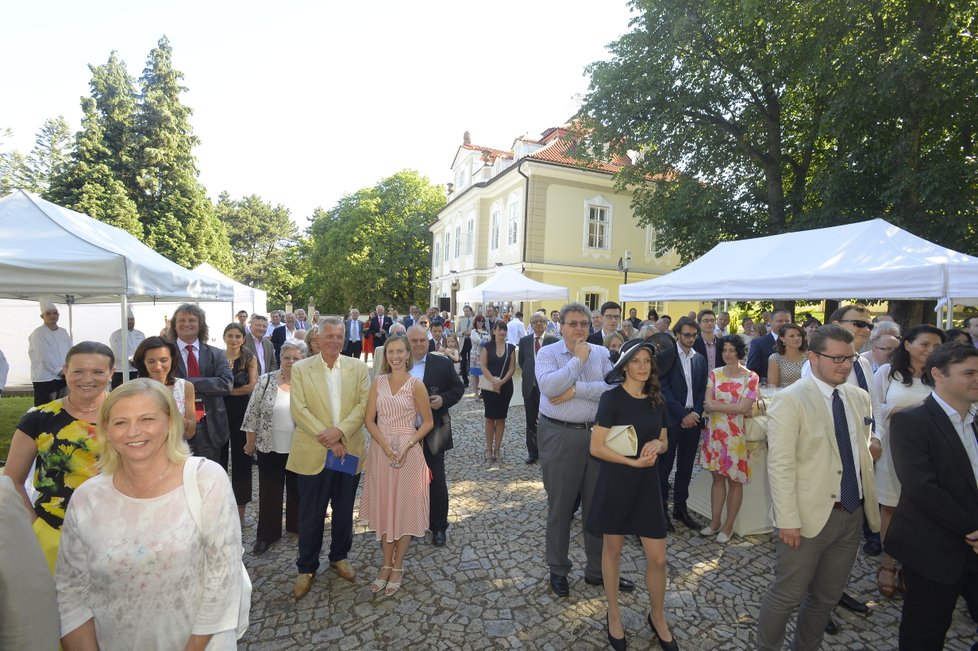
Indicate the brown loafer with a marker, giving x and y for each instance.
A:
(344, 569)
(303, 583)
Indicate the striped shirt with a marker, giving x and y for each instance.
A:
(558, 369)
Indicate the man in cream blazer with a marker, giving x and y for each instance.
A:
(328, 402)
(819, 490)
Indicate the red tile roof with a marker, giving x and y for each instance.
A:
(562, 147)
(496, 153)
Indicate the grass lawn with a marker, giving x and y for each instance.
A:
(11, 410)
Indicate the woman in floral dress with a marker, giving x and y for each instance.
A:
(730, 396)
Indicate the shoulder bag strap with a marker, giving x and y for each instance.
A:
(192, 491)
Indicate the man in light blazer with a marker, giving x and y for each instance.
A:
(261, 346)
(207, 368)
(328, 403)
(934, 530)
(526, 357)
(353, 335)
(821, 474)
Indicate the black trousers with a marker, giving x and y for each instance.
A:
(353, 348)
(531, 406)
(683, 444)
(117, 378)
(316, 493)
(241, 465)
(45, 392)
(928, 608)
(274, 482)
(438, 491)
(465, 359)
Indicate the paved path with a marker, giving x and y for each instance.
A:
(488, 588)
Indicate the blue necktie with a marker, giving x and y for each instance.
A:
(849, 497)
(860, 376)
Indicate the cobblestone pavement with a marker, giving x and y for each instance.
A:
(488, 588)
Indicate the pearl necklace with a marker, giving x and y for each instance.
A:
(84, 411)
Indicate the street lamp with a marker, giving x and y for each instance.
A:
(623, 264)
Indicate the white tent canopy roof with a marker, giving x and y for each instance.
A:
(872, 259)
(47, 250)
(508, 284)
(242, 293)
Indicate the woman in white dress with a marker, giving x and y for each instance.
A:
(134, 570)
(900, 384)
(154, 359)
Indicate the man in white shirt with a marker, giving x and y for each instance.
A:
(47, 349)
(133, 339)
(300, 320)
(723, 320)
(515, 330)
(607, 325)
(553, 325)
(971, 325)
(260, 345)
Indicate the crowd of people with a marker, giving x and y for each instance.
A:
(871, 439)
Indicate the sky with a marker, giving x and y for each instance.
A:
(303, 102)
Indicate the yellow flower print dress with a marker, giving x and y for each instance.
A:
(66, 457)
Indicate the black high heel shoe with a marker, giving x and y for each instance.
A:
(671, 645)
(617, 643)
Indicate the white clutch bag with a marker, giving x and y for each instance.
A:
(623, 439)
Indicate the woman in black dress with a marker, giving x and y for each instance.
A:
(626, 499)
(244, 368)
(498, 361)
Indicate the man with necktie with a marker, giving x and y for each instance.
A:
(526, 356)
(353, 338)
(821, 475)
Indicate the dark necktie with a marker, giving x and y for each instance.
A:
(193, 370)
(536, 345)
(860, 376)
(850, 486)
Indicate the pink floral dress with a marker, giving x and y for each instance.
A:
(724, 440)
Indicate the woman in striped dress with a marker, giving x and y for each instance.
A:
(395, 496)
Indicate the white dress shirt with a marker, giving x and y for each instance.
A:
(47, 350)
(827, 390)
(963, 426)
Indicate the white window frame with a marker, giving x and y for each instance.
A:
(448, 245)
(458, 241)
(513, 224)
(470, 237)
(650, 241)
(604, 227)
(436, 256)
(494, 220)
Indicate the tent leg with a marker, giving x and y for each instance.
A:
(125, 353)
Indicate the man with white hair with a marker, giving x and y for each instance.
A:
(47, 348)
(133, 339)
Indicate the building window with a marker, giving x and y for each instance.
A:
(461, 177)
(448, 245)
(650, 241)
(470, 237)
(436, 257)
(598, 227)
(458, 241)
(494, 230)
(592, 301)
(514, 223)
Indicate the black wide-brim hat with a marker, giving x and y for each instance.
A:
(617, 374)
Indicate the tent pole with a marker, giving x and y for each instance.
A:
(123, 364)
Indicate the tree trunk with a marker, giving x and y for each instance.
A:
(911, 313)
(786, 305)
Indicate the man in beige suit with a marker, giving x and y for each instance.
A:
(821, 474)
(328, 401)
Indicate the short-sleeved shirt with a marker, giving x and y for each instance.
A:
(66, 457)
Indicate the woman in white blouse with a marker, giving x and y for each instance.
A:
(268, 429)
(134, 569)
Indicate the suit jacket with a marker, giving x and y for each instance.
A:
(938, 503)
(760, 349)
(439, 374)
(312, 412)
(379, 328)
(527, 360)
(277, 339)
(267, 352)
(804, 465)
(674, 389)
(346, 331)
(700, 346)
(214, 383)
(597, 337)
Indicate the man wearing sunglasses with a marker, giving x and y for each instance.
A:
(821, 474)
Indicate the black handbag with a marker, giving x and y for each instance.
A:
(439, 439)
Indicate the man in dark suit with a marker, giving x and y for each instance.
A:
(526, 356)
(444, 391)
(706, 341)
(762, 347)
(379, 326)
(610, 320)
(934, 530)
(412, 317)
(208, 370)
(261, 347)
(353, 335)
(684, 389)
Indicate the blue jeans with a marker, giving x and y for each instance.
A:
(316, 492)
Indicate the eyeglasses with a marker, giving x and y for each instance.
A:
(577, 324)
(612, 317)
(839, 359)
(865, 325)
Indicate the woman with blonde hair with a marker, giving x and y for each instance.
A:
(135, 571)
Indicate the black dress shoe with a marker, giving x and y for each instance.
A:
(831, 627)
(438, 538)
(671, 645)
(617, 643)
(872, 548)
(850, 603)
(260, 547)
(624, 585)
(687, 519)
(530, 461)
(670, 527)
(559, 585)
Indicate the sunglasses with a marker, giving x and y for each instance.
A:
(865, 325)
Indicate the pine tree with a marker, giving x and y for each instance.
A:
(52, 147)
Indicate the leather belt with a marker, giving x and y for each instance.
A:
(838, 506)
(564, 423)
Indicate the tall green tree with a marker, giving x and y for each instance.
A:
(52, 146)
(262, 239)
(178, 218)
(757, 118)
(374, 245)
(14, 170)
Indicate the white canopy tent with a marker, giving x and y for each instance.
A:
(251, 299)
(50, 251)
(872, 259)
(508, 284)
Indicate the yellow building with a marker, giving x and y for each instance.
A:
(557, 220)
